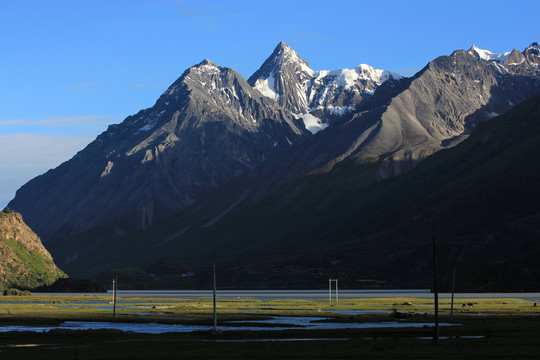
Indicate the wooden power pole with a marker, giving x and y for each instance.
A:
(215, 308)
(453, 290)
(435, 292)
(115, 287)
(330, 281)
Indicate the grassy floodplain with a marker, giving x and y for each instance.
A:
(489, 328)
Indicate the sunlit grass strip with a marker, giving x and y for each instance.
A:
(166, 310)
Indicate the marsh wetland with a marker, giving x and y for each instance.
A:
(83, 327)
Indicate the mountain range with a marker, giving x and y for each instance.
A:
(197, 175)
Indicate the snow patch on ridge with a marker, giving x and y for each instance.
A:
(148, 126)
(151, 124)
(349, 77)
(519, 63)
(488, 55)
(267, 87)
(339, 110)
(312, 123)
(334, 110)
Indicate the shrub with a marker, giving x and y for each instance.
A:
(7, 210)
(16, 292)
(72, 285)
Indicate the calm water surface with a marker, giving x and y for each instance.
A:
(278, 323)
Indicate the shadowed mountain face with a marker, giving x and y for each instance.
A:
(214, 142)
(479, 199)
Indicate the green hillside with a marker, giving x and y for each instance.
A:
(24, 262)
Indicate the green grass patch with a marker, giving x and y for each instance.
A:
(166, 310)
(500, 329)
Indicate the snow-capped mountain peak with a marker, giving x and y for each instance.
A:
(283, 60)
(315, 97)
(286, 55)
(283, 77)
(488, 55)
(205, 67)
(208, 63)
(349, 77)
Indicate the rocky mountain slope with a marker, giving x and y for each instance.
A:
(24, 262)
(480, 199)
(214, 141)
(209, 127)
(409, 119)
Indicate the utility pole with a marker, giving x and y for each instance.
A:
(435, 292)
(453, 290)
(330, 281)
(112, 291)
(215, 310)
(329, 291)
(337, 292)
(115, 286)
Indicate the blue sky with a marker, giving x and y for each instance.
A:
(68, 69)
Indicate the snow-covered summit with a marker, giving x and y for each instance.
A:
(207, 62)
(286, 55)
(350, 77)
(206, 69)
(316, 97)
(205, 66)
(283, 77)
(488, 55)
(283, 59)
